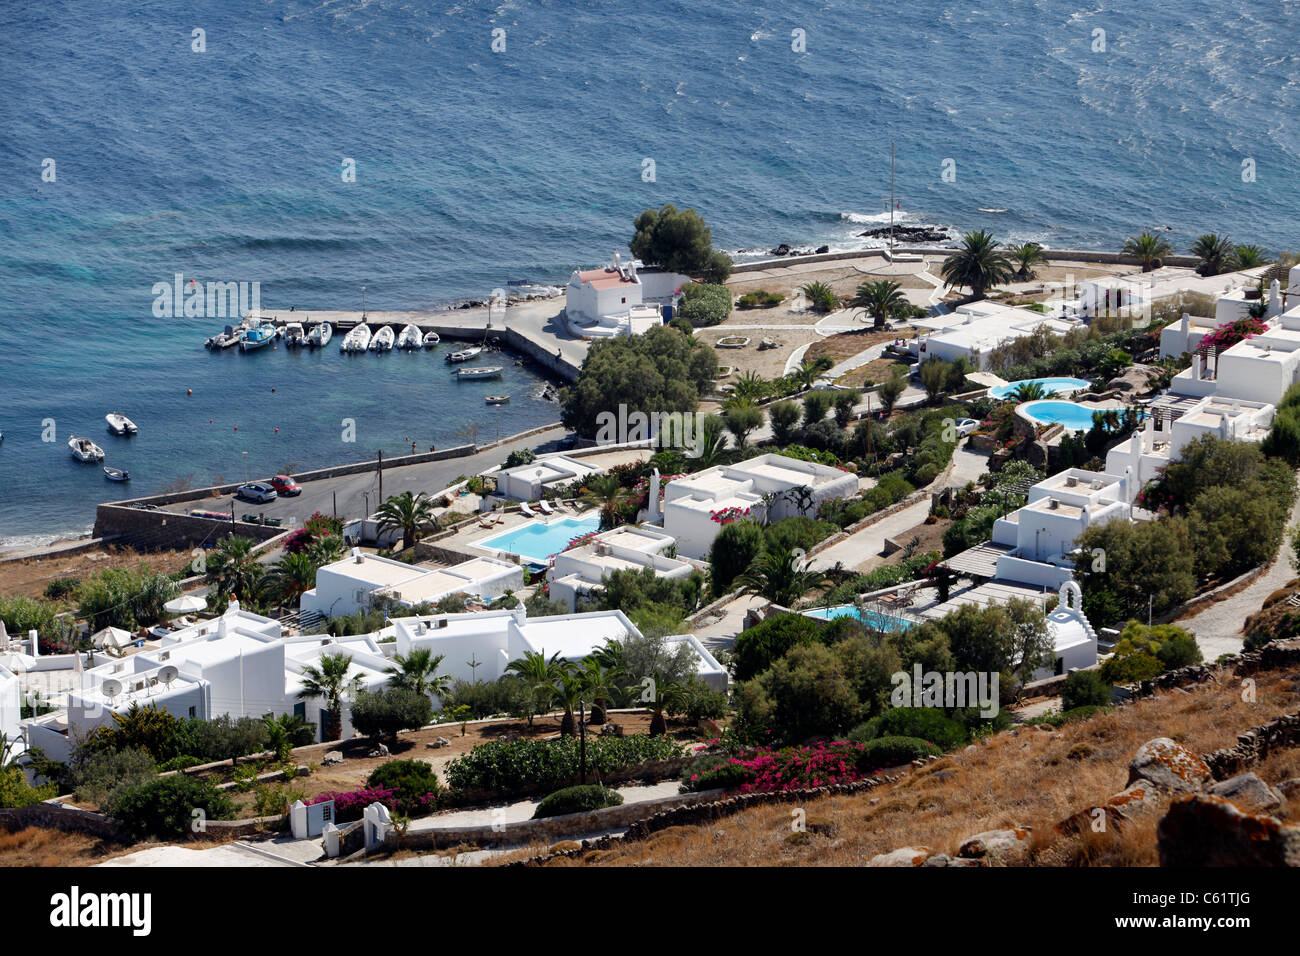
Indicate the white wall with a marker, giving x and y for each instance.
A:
(10, 703)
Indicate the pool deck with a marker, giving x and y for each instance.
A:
(470, 539)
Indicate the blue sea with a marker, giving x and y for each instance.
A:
(475, 167)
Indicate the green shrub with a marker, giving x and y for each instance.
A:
(759, 299)
(1085, 689)
(510, 768)
(61, 588)
(704, 304)
(414, 784)
(757, 648)
(1086, 712)
(165, 808)
(581, 799)
(716, 772)
(386, 713)
(924, 723)
(15, 791)
(733, 551)
(796, 532)
(103, 774)
(700, 703)
(885, 752)
(183, 762)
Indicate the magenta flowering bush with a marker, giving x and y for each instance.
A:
(351, 804)
(728, 515)
(1230, 333)
(767, 769)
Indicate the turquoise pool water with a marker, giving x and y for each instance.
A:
(538, 540)
(1072, 415)
(1053, 385)
(875, 619)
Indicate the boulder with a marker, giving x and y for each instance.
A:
(1205, 830)
(1140, 796)
(1290, 789)
(1136, 379)
(1248, 792)
(437, 743)
(1006, 847)
(1168, 764)
(331, 758)
(822, 250)
(904, 856)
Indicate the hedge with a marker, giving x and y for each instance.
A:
(510, 768)
(580, 799)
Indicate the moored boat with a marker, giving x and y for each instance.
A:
(257, 338)
(119, 424)
(465, 354)
(431, 340)
(232, 336)
(497, 400)
(410, 338)
(116, 474)
(383, 339)
(482, 371)
(357, 339)
(320, 335)
(83, 449)
(294, 335)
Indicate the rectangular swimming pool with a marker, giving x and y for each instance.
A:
(537, 541)
(873, 619)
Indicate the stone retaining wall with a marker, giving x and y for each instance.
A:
(57, 816)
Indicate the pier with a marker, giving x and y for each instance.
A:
(535, 329)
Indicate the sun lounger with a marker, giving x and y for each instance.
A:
(546, 508)
(526, 511)
(560, 506)
(485, 522)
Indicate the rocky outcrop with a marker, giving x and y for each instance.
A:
(1205, 830)
(903, 856)
(1136, 380)
(998, 847)
(1169, 764)
(1248, 792)
(909, 234)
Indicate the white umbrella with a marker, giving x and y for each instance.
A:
(185, 604)
(16, 662)
(112, 637)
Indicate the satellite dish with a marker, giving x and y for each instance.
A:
(112, 687)
(168, 674)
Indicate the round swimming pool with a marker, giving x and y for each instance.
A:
(1070, 414)
(1052, 386)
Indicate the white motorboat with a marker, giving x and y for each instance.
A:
(465, 354)
(482, 371)
(320, 335)
(431, 340)
(83, 449)
(357, 339)
(231, 337)
(119, 424)
(294, 334)
(410, 338)
(383, 339)
(116, 474)
(497, 400)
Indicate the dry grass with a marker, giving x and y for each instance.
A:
(35, 846)
(1034, 778)
(30, 577)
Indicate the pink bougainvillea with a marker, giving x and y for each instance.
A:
(728, 515)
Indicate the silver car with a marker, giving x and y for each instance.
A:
(258, 492)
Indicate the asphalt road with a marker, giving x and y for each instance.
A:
(356, 495)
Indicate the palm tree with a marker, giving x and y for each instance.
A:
(781, 576)
(663, 696)
(605, 492)
(418, 671)
(1028, 392)
(411, 514)
(881, 299)
(291, 577)
(1024, 257)
(284, 732)
(821, 297)
(712, 441)
(233, 568)
(1249, 257)
(1213, 251)
(978, 264)
(598, 681)
(540, 674)
(805, 373)
(327, 550)
(330, 681)
(1148, 248)
(749, 386)
(569, 691)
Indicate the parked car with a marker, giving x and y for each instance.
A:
(258, 492)
(286, 486)
(966, 426)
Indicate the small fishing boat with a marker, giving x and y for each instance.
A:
(431, 340)
(116, 474)
(83, 449)
(294, 335)
(383, 339)
(227, 339)
(465, 354)
(410, 338)
(119, 424)
(482, 371)
(497, 400)
(257, 338)
(357, 339)
(320, 335)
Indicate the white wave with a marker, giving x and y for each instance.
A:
(877, 218)
(991, 209)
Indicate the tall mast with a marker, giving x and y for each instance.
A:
(891, 200)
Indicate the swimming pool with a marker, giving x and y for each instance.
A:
(538, 541)
(874, 619)
(1051, 385)
(1072, 415)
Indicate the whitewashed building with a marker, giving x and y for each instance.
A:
(618, 299)
(580, 571)
(793, 487)
(540, 478)
(973, 330)
(355, 584)
(10, 703)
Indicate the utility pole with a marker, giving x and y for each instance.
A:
(335, 507)
(582, 744)
(891, 200)
(381, 475)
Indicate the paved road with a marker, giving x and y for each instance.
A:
(349, 496)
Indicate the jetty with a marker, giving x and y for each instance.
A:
(534, 329)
